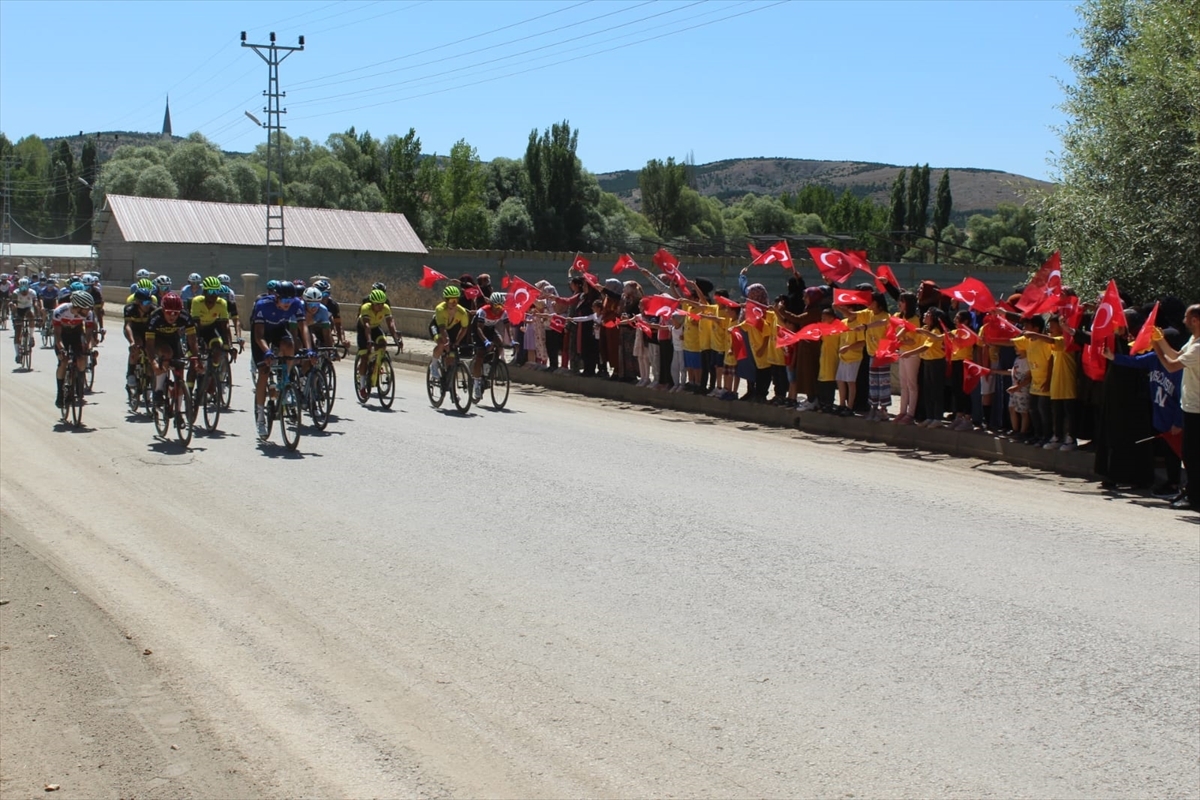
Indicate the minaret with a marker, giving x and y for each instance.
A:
(167, 120)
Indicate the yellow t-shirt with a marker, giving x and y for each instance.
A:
(708, 329)
(829, 358)
(762, 342)
(1064, 372)
(854, 353)
(871, 336)
(691, 333)
(960, 353)
(910, 340)
(937, 350)
(720, 333)
(1038, 354)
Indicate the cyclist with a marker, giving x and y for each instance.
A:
(162, 285)
(6, 288)
(485, 330)
(143, 273)
(452, 322)
(48, 294)
(317, 316)
(373, 315)
(231, 303)
(335, 310)
(163, 331)
(92, 285)
(210, 311)
(137, 317)
(272, 321)
(74, 326)
(147, 285)
(24, 306)
(192, 290)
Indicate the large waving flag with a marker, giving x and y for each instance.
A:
(1044, 290)
(1109, 313)
(833, 265)
(624, 262)
(1145, 338)
(521, 297)
(430, 277)
(778, 253)
(973, 293)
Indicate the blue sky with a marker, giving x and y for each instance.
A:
(954, 84)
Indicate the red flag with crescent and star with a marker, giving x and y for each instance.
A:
(1145, 338)
(521, 297)
(658, 304)
(624, 262)
(778, 253)
(430, 277)
(851, 297)
(1109, 313)
(973, 293)
(581, 264)
(833, 265)
(972, 374)
(1044, 290)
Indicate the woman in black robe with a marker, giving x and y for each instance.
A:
(1125, 418)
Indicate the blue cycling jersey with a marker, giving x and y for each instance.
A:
(272, 315)
(320, 315)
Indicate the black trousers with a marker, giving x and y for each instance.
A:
(1191, 457)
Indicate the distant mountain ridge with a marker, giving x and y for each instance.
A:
(974, 190)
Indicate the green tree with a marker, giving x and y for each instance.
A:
(156, 181)
(191, 164)
(896, 219)
(247, 180)
(402, 196)
(662, 186)
(1129, 168)
(920, 217)
(60, 200)
(89, 170)
(512, 227)
(942, 207)
(555, 196)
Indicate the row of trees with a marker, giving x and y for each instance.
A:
(50, 193)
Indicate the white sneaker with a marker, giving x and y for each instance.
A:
(435, 370)
(131, 381)
(477, 392)
(262, 427)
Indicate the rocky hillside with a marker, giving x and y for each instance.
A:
(974, 190)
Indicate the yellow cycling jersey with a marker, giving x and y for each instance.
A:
(374, 319)
(443, 319)
(205, 316)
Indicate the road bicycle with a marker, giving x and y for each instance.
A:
(25, 345)
(314, 393)
(380, 377)
(283, 402)
(72, 393)
(48, 329)
(495, 376)
(325, 358)
(455, 380)
(175, 408)
(4, 313)
(140, 396)
(89, 374)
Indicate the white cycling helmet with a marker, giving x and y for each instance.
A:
(142, 273)
(225, 279)
(23, 284)
(89, 279)
(164, 281)
(195, 277)
(312, 294)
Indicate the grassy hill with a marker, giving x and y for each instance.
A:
(974, 190)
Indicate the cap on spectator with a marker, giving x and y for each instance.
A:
(614, 285)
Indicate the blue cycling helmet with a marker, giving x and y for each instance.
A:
(76, 286)
(141, 295)
(272, 285)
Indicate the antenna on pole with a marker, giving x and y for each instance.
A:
(274, 54)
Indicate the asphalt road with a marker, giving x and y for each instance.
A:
(580, 598)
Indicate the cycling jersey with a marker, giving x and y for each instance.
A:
(49, 296)
(489, 316)
(204, 315)
(317, 314)
(335, 310)
(269, 313)
(67, 317)
(443, 317)
(189, 294)
(158, 324)
(374, 319)
(24, 299)
(97, 296)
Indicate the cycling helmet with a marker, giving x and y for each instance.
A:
(225, 279)
(451, 292)
(298, 284)
(322, 284)
(76, 286)
(142, 273)
(377, 296)
(141, 295)
(286, 289)
(52, 281)
(312, 294)
(497, 298)
(164, 281)
(82, 299)
(172, 302)
(211, 284)
(64, 294)
(379, 285)
(89, 280)
(145, 283)
(195, 278)
(272, 285)
(23, 284)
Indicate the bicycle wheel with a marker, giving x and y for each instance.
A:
(26, 348)
(499, 380)
(46, 336)
(387, 383)
(330, 375)
(224, 380)
(210, 401)
(68, 393)
(162, 411)
(77, 404)
(185, 415)
(318, 399)
(436, 387)
(460, 389)
(89, 374)
(289, 417)
(362, 386)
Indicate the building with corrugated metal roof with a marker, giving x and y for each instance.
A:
(30, 258)
(177, 237)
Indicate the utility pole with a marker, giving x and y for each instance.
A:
(274, 54)
(6, 223)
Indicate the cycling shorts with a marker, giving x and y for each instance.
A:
(274, 336)
(365, 337)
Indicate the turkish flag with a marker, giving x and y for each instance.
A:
(835, 327)
(624, 262)
(1175, 441)
(504, 282)
(972, 373)
(581, 264)
(888, 350)
(1044, 289)
(834, 266)
(778, 253)
(850, 297)
(1093, 361)
(591, 280)
(430, 276)
(725, 301)
(963, 337)
(974, 293)
(658, 304)
(884, 273)
(665, 261)
(558, 323)
(785, 338)
(996, 328)
(521, 296)
(1145, 338)
(754, 313)
(811, 333)
(737, 343)
(645, 328)
(1109, 314)
(472, 293)
(1070, 310)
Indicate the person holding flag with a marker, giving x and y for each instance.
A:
(1187, 360)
